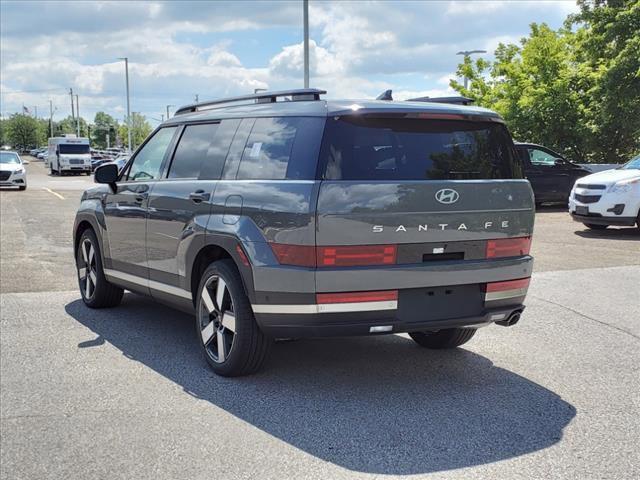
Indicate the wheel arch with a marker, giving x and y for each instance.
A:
(218, 249)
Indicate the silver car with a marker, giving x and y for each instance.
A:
(12, 171)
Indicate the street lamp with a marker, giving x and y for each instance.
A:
(305, 21)
(126, 73)
(468, 53)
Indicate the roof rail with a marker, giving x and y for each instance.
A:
(300, 94)
(454, 100)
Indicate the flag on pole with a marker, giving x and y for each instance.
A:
(26, 110)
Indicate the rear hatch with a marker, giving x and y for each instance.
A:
(422, 182)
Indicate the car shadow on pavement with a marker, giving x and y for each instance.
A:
(376, 405)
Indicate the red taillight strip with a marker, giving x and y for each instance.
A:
(357, 255)
(357, 297)
(508, 247)
(508, 285)
(506, 290)
(334, 256)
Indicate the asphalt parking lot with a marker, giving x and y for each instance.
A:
(123, 393)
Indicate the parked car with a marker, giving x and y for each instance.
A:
(611, 197)
(551, 175)
(314, 218)
(12, 171)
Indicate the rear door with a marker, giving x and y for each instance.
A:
(180, 203)
(126, 210)
(430, 185)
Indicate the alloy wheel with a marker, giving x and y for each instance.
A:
(87, 269)
(217, 319)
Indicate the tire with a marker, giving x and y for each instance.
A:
(595, 226)
(96, 290)
(22, 188)
(443, 339)
(228, 334)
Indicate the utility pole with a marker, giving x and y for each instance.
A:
(305, 15)
(467, 54)
(196, 98)
(162, 116)
(78, 112)
(35, 109)
(50, 119)
(73, 116)
(168, 116)
(126, 73)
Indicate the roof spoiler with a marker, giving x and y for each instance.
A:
(301, 94)
(453, 100)
(388, 95)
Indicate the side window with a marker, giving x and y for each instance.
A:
(194, 148)
(237, 146)
(148, 161)
(540, 157)
(211, 169)
(280, 148)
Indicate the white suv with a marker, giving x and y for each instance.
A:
(611, 197)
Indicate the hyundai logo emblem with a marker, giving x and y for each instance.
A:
(447, 196)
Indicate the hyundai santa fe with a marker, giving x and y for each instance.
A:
(283, 215)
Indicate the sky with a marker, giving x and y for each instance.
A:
(178, 50)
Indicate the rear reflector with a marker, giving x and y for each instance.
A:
(356, 255)
(357, 297)
(340, 256)
(508, 285)
(508, 247)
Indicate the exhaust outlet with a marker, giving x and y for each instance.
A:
(512, 320)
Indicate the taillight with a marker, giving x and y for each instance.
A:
(356, 297)
(299, 255)
(357, 255)
(508, 285)
(508, 247)
(340, 256)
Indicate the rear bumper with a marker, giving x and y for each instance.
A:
(415, 309)
(368, 323)
(598, 219)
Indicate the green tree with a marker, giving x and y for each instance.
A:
(607, 46)
(576, 90)
(69, 126)
(22, 131)
(103, 125)
(140, 130)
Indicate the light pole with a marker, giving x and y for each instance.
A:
(169, 106)
(467, 54)
(78, 113)
(305, 19)
(126, 73)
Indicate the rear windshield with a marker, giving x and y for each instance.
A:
(73, 148)
(361, 148)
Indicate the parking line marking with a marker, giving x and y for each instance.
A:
(54, 193)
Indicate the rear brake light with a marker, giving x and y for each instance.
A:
(357, 255)
(299, 255)
(508, 247)
(356, 297)
(508, 285)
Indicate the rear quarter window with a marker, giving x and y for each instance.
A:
(281, 148)
(365, 148)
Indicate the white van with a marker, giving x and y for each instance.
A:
(69, 154)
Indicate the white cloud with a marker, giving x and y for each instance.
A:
(357, 49)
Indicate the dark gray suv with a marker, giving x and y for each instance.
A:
(281, 215)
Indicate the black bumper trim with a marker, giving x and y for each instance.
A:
(598, 220)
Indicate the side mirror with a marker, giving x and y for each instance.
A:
(108, 174)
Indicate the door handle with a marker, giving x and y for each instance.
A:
(199, 196)
(141, 197)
